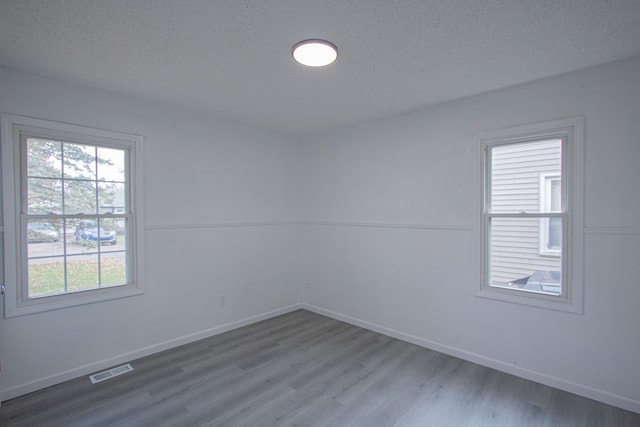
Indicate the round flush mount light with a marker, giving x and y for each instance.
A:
(315, 53)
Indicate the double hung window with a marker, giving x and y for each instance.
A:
(71, 214)
(531, 219)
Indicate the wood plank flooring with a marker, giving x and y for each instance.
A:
(303, 369)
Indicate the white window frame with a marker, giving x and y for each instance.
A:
(13, 128)
(571, 132)
(545, 206)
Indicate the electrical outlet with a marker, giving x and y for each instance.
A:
(223, 300)
(308, 285)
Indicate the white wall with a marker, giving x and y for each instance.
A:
(391, 239)
(388, 236)
(200, 175)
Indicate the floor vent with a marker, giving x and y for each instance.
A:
(113, 372)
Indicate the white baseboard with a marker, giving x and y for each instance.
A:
(559, 383)
(136, 354)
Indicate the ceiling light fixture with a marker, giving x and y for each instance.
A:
(315, 53)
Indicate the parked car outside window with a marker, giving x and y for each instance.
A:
(88, 230)
(42, 232)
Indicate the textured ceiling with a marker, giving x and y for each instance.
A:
(232, 58)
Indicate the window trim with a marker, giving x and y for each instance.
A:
(12, 127)
(571, 130)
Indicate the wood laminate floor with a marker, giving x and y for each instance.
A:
(308, 370)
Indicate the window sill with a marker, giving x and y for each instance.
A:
(44, 304)
(532, 299)
(550, 254)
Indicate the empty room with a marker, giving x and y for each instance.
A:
(272, 213)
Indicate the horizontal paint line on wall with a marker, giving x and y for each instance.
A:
(220, 225)
(587, 230)
(389, 225)
(612, 230)
(311, 223)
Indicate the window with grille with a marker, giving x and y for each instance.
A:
(73, 198)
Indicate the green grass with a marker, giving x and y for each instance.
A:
(48, 278)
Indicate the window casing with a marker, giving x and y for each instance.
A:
(531, 223)
(72, 214)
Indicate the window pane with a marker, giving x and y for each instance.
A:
(88, 232)
(44, 196)
(80, 197)
(111, 164)
(46, 277)
(114, 234)
(514, 259)
(113, 269)
(79, 161)
(82, 272)
(111, 197)
(78, 238)
(44, 238)
(554, 240)
(515, 174)
(44, 158)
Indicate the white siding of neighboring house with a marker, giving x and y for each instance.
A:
(516, 181)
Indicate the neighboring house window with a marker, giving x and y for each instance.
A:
(532, 214)
(550, 228)
(72, 214)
